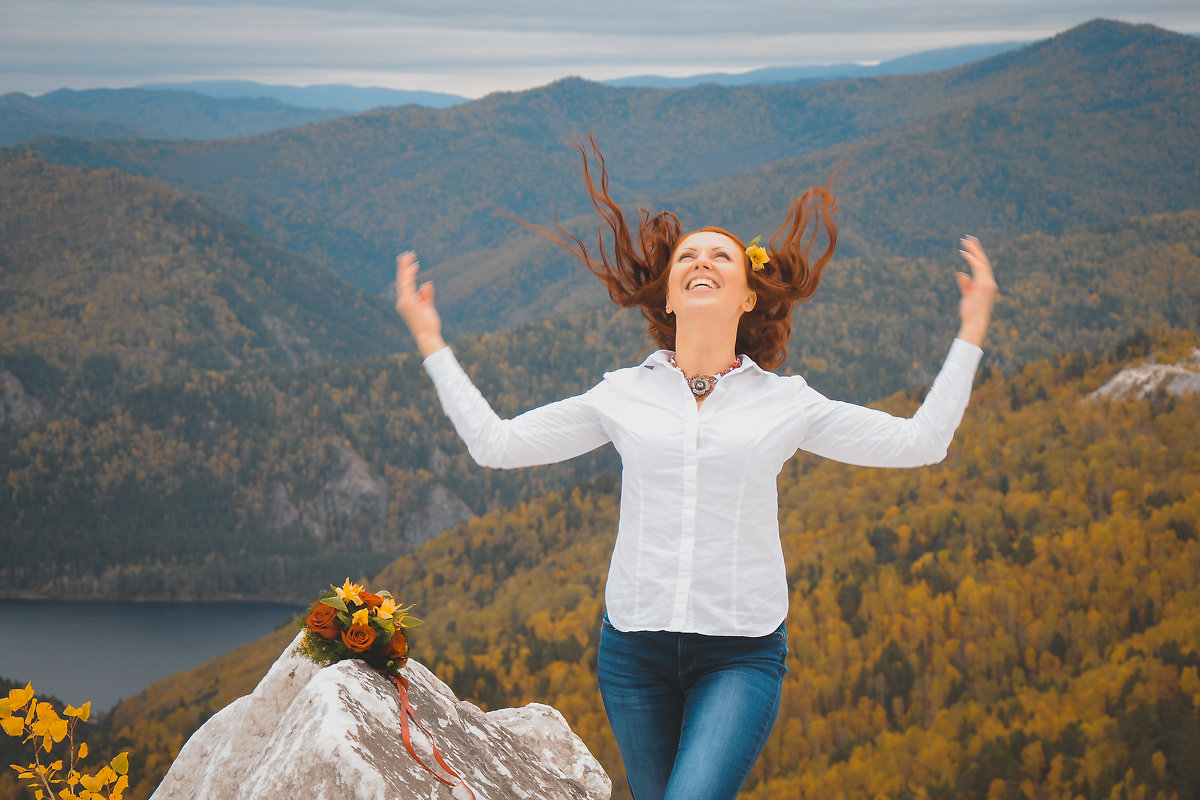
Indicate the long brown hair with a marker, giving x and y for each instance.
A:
(637, 269)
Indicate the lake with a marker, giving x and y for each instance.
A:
(105, 652)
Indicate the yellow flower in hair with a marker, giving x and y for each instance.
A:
(757, 254)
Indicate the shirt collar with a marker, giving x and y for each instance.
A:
(663, 358)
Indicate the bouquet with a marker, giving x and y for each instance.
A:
(350, 622)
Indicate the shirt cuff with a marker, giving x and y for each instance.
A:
(441, 361)
(963, 352)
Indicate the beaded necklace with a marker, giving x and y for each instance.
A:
(702, 385)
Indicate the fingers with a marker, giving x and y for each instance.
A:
(406, 278)
(972, 251)
(406, 274)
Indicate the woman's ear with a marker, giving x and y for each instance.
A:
(751, 301)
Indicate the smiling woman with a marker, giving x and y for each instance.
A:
(693, 645)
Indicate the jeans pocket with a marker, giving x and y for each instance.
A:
(780, 636)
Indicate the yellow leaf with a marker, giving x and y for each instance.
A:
(17, 698)
(58, 729)
(106, 774)
(83, 712)
(120, 786)
(56, 766)
(83, 751)
(121, 763)
(90, 782)
(13, 725)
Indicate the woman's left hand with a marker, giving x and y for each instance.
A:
(978, 292)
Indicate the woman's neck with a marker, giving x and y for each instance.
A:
(704, 348)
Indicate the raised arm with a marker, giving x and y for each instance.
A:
(868, 437)
(554, 432)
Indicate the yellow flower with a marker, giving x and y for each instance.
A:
(349, 591)
(386, 608)
(360, 616)
(757, 254)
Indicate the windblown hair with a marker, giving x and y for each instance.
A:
(638, 268)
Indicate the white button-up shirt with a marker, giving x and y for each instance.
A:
(697, 546)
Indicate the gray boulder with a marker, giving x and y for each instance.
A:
(334, 733)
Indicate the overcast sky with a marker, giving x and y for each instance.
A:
(472, 48)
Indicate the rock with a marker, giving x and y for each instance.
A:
(1141, 380)
(442, 510)
(335, 733)
(15, 403)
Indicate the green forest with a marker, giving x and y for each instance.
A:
(205, 393)
(216, 408)
(1018, 621)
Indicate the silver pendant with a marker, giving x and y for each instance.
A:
(700, 385)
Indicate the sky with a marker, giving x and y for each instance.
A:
(473, 48)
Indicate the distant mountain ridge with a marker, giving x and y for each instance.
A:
(322, 96)
(992, 145)
(925, 61)
(146, 114)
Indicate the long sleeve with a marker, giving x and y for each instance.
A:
(544, 435)
(871, 438)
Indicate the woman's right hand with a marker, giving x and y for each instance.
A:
(416, 306)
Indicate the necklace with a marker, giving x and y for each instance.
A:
(702, 385)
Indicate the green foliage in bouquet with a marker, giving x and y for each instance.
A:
(350, 622)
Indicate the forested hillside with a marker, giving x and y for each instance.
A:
(185, 404)
(254, 483)
(1018, 621)
(1011, 144)
(110, 280)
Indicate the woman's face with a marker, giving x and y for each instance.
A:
(708, 276)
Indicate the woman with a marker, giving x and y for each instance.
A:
(693, 643)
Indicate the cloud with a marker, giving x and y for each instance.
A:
(475, 47)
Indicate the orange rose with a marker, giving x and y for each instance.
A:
(398, 646)
(370, 600)
(359, 638)
(322, 620)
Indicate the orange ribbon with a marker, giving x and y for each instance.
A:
(406, 711)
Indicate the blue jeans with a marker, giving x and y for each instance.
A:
(690, 712)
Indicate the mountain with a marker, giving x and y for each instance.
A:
(925, 61)
(351, 98)
(1092, 126)
(200, 409)
(1018, 620)
(144, 114)
(1096, 124)
(203, 417)
(107, 275)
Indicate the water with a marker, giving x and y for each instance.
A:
(105, 652)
